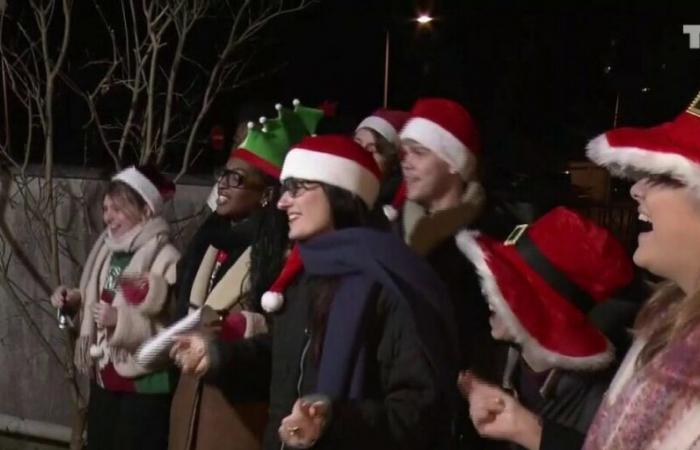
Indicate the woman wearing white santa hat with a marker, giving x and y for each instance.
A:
(361, 349)
(654, 401)
(123, 299)
(379, 135)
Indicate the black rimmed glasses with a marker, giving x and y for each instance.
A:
(236, 179)
(296, 187)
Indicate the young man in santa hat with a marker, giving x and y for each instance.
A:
(440, 145)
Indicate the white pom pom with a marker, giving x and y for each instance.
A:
(272, 301)
(251, 124)
(390, 212)
(263, 119)
(296, 102)
(96, 351)
(278, 106)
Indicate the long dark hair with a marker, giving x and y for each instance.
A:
(347, 210)
(269, 245)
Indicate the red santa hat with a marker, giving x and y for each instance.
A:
(386, 122)
(149, 183)
(545, 279)
(273, 299)
(672, 148)
(446, 128)
(335, 160)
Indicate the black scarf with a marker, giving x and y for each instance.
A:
(363, 259)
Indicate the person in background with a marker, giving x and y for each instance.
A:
(653, 402)
(550, 288)
(230, 262)
(361, 350)
(123, 299)
(379, 135)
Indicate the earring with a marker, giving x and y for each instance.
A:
(264, 202)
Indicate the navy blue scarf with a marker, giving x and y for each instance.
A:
(365, 260)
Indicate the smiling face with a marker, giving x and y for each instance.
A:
(427, 176)
(240, 189)
(122, 210)
(671, 247)
(307, 207)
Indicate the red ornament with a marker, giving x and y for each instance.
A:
(216, 137)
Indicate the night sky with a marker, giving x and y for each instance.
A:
(540, 79)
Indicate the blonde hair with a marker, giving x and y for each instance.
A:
(133, 205)
(668, 315)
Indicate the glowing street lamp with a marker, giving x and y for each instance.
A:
(424, 19)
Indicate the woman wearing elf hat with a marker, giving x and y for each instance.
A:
(362, 335)
(379, 135)
(654, 400)
(230, 262)
(549, 288)
(122, 300)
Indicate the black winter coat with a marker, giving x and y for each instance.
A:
(402, 408)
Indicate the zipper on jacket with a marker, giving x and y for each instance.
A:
(300, 381)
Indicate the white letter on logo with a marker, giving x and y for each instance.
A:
(694, 32)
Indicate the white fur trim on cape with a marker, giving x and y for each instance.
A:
(331, 169)
(537, 356)
(146, 189)
(382, 127)
(634, 162)
(445, 144)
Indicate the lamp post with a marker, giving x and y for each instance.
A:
(423, 20)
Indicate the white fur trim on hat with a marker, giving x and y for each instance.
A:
(537, 356)
(382, 127)
(445, 144)
(272, 301)
(331, 169)
(634, 162)
(146, 189)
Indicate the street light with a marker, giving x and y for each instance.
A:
(423, 19)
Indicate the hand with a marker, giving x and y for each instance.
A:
(64, 297)
(497, 415)
(303, 427)
(190, 352)
(105, 315)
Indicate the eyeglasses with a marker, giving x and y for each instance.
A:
(296, 187)
(235, 179)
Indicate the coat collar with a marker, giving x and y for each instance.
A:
(423, 231)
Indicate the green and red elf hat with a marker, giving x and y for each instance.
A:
(267, 143)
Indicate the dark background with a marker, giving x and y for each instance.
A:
(540, 79)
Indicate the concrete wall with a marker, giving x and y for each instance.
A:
(32, 385)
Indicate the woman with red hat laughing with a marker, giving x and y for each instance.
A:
(654, 401)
